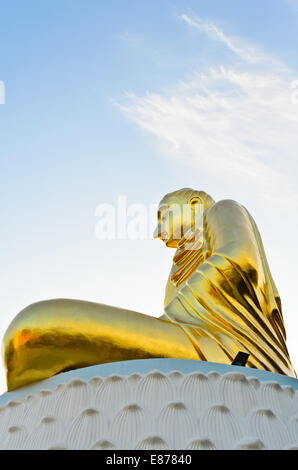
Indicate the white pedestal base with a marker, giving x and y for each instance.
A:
(178, 405)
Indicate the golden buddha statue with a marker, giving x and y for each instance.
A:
(220, 299)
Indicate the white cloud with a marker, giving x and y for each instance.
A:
(238, 120)
(245, 52)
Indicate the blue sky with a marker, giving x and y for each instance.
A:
(140, 98)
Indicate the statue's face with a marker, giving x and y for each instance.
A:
(169, 224)
(175, 218)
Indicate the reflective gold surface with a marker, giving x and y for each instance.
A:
(220, 299)
(221, 292)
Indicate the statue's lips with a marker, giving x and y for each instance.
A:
(178, 234)
(165, 236)
(159, 234)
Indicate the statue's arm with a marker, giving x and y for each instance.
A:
(228, 230)
(228, 302)
(234, 257)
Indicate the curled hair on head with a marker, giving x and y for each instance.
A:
(186, 195)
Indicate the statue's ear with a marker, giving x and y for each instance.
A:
(195, 200)
(197, 207)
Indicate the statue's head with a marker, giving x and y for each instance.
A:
(179, 212)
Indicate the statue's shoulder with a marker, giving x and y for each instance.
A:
(226, 205)
(228, 213)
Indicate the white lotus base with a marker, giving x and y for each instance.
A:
(153, 404)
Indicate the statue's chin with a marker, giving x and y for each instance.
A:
(171, 243)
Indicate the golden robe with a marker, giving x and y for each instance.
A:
(223, 294)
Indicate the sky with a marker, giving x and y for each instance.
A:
(137, 99)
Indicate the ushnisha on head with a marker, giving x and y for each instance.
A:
(179, 213)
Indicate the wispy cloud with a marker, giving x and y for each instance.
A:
(245, 52)
(237, 120)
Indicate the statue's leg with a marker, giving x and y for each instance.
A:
(58, 335)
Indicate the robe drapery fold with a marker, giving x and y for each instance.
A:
(229, 302)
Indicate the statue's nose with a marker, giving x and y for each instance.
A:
(157, 232)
